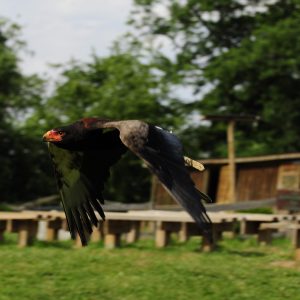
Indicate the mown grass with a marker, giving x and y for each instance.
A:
(238, 270)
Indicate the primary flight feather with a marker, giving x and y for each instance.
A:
(83, 152)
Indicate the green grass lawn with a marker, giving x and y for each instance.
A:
(238, 270)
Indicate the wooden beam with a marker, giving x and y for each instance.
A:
(53, 227)
(231, 120)
(251, 159)
(134, 234)
(231, 159)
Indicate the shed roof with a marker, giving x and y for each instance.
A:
(252, 159)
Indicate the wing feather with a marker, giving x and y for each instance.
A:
(163, 155)
(80, 178)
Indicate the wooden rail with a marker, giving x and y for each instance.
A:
(165, 223)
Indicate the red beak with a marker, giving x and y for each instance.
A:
(52, 136)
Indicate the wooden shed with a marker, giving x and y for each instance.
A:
(257, 178)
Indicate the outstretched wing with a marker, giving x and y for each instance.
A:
(80, 178)
(163, 154)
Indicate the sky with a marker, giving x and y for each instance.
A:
(59, 30)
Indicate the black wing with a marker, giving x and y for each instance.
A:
(164, 156)
(80, 177)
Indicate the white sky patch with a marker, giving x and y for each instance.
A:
(161, 10)
(59, 30)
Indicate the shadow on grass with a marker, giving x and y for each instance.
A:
(241, 247)
(193, 246)
(9, 239)
(54, 244)
(246, 253)
(174, 246)
(139, 245)
(68, 244)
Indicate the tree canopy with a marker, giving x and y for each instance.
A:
(22, 177)
(240, 57)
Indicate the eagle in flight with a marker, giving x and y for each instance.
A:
(83, 153)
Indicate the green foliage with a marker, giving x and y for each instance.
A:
(18, 93)
(119, 86)
(239, 270)
(26, 172)
(23, 167)
(4, 207)
(261, 77)
(241, 57)
(259, 210)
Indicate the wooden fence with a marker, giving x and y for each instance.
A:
(163, 223)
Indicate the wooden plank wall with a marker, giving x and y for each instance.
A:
(223, 188)
(162, 199)
(289, 177)
(255, 183)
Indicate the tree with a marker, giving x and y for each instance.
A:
(241, 57)
(118, 86)
(21, 158)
